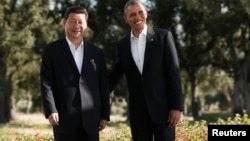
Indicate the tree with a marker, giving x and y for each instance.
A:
(232, 33)
(22, 42)
(191, 40)
(5, 82)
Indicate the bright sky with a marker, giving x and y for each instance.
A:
(52, 3)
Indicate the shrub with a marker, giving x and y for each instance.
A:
(120, 131)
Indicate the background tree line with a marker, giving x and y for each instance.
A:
(212, 39)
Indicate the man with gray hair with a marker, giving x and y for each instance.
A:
(148, 59)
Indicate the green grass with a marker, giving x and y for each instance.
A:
(116, 130)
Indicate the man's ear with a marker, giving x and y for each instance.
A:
(125, 18)
(63, 23)
(145, 13)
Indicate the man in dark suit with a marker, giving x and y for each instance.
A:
(148, 58)
(74, 84)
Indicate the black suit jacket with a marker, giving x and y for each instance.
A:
(159, 84)
(79, 98)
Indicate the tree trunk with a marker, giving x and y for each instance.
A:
(237, 103)
(5, 95)
(5, 104)
(196, 105)
(238, 91)
(246, 85)
(29, 102)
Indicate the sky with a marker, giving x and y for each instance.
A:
(52, 3)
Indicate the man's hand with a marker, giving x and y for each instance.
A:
(174, 117)
(54, 119)
(103, 124)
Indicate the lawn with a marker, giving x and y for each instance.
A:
(34, 127)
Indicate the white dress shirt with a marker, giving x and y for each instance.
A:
(77, 53)
(138, 46)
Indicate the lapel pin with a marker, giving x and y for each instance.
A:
(93, 63)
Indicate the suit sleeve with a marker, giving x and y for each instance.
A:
(117, 71)
(104, 89)
(46, 83)
(173, 69)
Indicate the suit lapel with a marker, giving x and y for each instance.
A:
(150, 39)
(67, 53)
(149, 46)
(85, 57)
(127, 45)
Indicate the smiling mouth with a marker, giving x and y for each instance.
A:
(76, 31)
(138, 22)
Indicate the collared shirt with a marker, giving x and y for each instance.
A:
(138, 46)
(77, 53)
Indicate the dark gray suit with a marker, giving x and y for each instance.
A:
(79, 98)
(158, 88)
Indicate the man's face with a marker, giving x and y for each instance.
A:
(75, 26)
(136, 17)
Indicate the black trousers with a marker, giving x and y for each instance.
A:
(144, 129)
(79, 135)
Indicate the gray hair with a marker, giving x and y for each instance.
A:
(131, 2)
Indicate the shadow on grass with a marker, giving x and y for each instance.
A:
(23, 125)
(213, 117)
(117, 124)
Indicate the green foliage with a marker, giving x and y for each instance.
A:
(213, 117)
(25, 137)
(214, 36)
(192, 131)
(120, 131)
(25, 30)
(236, 120)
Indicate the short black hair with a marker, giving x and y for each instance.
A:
(130, 2)
(75, 9)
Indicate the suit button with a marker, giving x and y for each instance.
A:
(81, 81)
